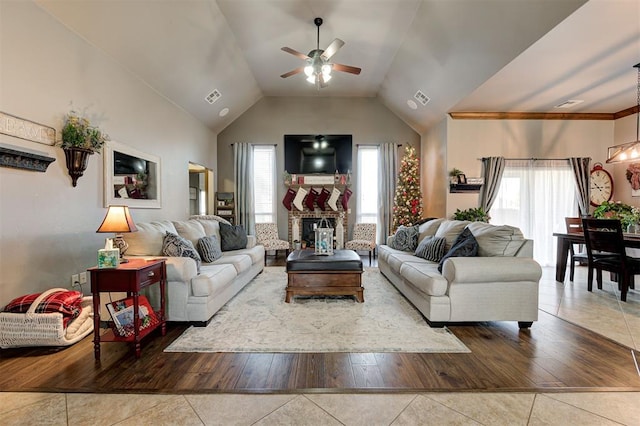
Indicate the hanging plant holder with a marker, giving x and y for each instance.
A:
(77, 159)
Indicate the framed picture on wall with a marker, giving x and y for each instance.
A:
(131, 177)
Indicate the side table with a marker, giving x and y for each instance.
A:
(128, 277)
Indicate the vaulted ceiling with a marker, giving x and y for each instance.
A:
(465, 55)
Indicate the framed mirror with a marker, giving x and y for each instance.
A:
(131, 177)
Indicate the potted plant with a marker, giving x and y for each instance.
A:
(453, 175)
(79, 140)
(629, 216)
(472, 214)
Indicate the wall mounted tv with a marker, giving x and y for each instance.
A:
(308, 154)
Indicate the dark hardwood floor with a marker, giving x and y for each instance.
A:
(553, 355)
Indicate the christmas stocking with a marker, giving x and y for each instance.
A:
(288, 198)
(297, 201)
(334, 199)
(311, 197)
(321, 201)
(345, 198)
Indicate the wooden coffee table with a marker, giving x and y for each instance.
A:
(334, 275)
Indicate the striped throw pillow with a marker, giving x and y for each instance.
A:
(431, 248)
(209, 248)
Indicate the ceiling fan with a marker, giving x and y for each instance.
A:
(318, 68)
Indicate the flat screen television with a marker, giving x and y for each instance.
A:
(309, 154)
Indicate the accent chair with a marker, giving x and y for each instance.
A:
(267, 235)
(364, 239)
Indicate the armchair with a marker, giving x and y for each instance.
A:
(364, 238)
(267, 235)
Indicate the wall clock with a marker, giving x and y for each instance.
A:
(601, 185)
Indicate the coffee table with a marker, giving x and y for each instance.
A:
(334, 275)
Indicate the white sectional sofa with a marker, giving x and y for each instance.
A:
(499, 284)
(191, 295)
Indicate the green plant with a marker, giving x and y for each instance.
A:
(455, 172)
(77, 132)
(472, 214)
(627, 214)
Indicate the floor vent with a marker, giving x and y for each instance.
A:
(421, 97)
(213, 96)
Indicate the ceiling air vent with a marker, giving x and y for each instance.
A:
(213, 96)
(421, 97)
(570, 103)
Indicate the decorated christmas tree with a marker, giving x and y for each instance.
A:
(407, 205)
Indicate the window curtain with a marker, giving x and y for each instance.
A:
(387, 175)
(536, 196)
(580, 168)
(492, 170)
(243, 170)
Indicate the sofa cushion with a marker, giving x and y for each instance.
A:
(405, 238)
(428, 229)
(209, 248)
(450, 229)
(212, 280)
(232, 237)
(175, 245)
(431, 248)
(211, 226)
(424, 277)
(396, 259)
(495, 240)
(256, 253)
(464, 246)
(192, 230)
(241, 262)
(147, 241)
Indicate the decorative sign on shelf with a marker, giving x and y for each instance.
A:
(26, 129)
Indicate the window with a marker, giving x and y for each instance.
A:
(536, 196)
(264, 166)
(367, 181)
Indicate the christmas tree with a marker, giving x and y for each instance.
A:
(407, 205)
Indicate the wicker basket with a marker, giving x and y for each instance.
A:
(36, 329)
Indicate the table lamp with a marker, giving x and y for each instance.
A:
(118, 220)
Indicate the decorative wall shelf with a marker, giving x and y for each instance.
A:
(464, 188)
(15, 157)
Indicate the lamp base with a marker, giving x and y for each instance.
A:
(121, 245)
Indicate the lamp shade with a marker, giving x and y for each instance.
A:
(117, 220)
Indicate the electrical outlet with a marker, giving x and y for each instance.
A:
(75, 279)
(83, 277)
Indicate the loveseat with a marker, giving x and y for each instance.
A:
(498, 281)
(197, 290)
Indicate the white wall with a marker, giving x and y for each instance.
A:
(470, 140)
(47, 227)
(271, 118)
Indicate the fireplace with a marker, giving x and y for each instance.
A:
(307, 233)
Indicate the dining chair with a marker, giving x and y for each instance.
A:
(576, 252)
(364, 238)
(267, 235)
(605, 236)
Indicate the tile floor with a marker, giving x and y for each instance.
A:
(599, 311)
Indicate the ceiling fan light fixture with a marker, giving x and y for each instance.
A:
(312, 79)
(326, 69)
(308, 70)
(628, 151)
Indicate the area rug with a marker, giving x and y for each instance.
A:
(258, 320)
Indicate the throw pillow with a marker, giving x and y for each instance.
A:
(233, 237)
(209, 248)
(176, 246)
(405, 238)
(464, 246)
(431, 248)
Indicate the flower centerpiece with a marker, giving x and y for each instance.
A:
(79, 140)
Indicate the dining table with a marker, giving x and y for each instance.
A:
(565, 239)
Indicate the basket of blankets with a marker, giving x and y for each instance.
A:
(56, 317)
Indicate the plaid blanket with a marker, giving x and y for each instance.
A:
(68, 303)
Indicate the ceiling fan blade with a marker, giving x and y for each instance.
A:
(332, 48)
(295, 53)
(347, 68)
(292, 72)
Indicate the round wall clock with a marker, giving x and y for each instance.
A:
(601, 185)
